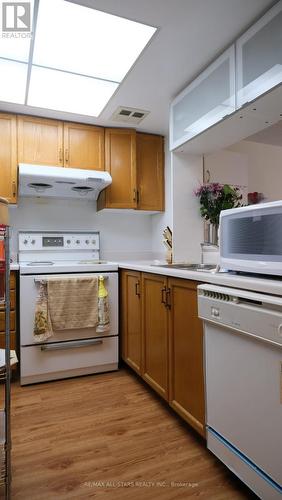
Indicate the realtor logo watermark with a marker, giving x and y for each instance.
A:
(16, 20)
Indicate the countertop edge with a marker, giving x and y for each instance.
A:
(264, 285)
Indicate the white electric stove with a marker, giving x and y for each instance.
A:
(46, 255)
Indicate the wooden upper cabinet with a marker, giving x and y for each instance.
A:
(8, 157)
(155, 333)
(150, 171)
(131, 334)
(84, 146)
(40, 141)
(186, 354)
(120, 162)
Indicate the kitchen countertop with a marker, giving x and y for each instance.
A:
(264, 285)
(255, 283)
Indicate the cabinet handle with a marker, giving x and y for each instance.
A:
(66, 155)
(137, 288)
(14, 188)
(134, 194)
(163, 295)
(168, 298)
(61, 155)
(137, 196)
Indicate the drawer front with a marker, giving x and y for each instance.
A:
(12, 340)
(12, 321)
(37, 361)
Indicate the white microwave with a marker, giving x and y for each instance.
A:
(250, 239)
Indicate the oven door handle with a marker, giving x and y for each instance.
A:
(70, 345)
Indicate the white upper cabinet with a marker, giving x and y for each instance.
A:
(259, 57)
(205, 101)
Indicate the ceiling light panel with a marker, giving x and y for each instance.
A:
(78, 39)
(12, 81)
(61, 91)
(15, 45)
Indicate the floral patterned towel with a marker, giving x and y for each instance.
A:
(42, 329)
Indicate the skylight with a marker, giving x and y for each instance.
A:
(68, 92)
(79, 58)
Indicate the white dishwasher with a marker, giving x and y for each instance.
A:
(243, 377)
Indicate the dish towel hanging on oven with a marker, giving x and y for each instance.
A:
(42, 329)
(103, 307)
(73, 302)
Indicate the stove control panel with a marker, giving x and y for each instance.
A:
(40, 241)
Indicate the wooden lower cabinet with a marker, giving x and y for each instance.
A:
(13, 321)
(186, 391)
(164, 344)
(131, 319)
(155, 333)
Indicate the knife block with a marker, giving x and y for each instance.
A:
(168, 256)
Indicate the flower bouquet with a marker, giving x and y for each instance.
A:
(215, 197)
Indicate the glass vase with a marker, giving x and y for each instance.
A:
(211, 234)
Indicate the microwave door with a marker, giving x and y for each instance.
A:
(251, 241)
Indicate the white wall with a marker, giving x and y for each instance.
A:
(187, 174)
(183, 174)
(160, 221)
(264, 168)
(123, 235)
(228, 167)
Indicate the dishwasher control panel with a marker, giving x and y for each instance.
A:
(247, 312)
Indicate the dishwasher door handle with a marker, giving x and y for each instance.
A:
(70, 345)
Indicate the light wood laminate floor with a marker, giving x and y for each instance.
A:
(108, 436)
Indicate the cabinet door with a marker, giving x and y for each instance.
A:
(8, 157)
(84, 146)
(186, 354)
(120, 162)
(259, 57)
(131, 319)
(40, 141)
(150, 172)
(155, 332)
(207, 100)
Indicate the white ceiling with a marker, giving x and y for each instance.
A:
(191, 34)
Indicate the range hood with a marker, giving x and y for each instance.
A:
(59, 182)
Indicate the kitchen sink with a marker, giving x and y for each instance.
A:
(189, 267)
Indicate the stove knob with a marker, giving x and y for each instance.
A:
(68, 242)
(93, 242)
(33, 242)
(77, 242)
(87, 242)
(25, 242)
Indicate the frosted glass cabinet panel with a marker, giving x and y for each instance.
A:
(205, 101)
(259, 57)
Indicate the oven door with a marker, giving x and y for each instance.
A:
(28, 294)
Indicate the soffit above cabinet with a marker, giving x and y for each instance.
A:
(256, 116)
(243, 83)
